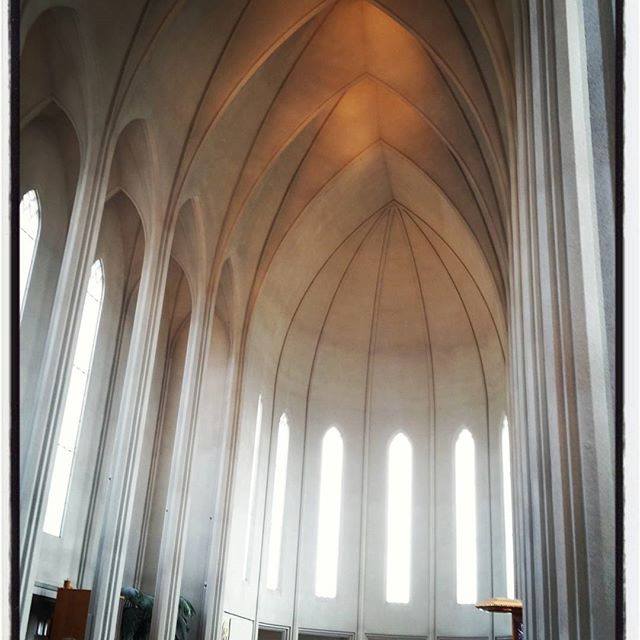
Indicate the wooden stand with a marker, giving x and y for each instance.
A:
(506, 605)
(70, 613)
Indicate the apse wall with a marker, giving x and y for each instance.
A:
(370, 322)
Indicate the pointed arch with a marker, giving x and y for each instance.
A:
(74, 402)
(466, 537)
(30, 218)
(277, 504)
(399, 516)
(255, 459)
(329, 509)
(507, 508)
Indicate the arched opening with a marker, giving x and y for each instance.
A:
(399, 508)
(277, 503)
(29, 226)
(329, 511)
(253, 479)
(49, 166)
(75, 402)
(466, 538)
(159, 436)
(507, 500)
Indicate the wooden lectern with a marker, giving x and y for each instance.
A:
(506, 605)
(70, 613)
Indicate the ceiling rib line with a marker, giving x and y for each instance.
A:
(180, 177)
(366, 426)
(242, 82)
(449, 76)
(367, 75)
(464, 169)
(315, 277)
(306, 422)
(486, 398)
(488, 92)
(290, 139)
(265, 115)
(445, 195)
(412, 214)
(290, 325)
(232, 214)
(253, 294)
(498, 64)
(177, 183)
(467, 175)
(320, 191)
(382, 143)
(431, 394)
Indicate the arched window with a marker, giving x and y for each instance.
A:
(329, 515)
(399, 481)
(74, 402)
(277, 504)
(508, 514)
(252, 487)
(29, 232)
(466, 552)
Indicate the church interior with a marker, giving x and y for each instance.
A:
(315, 329)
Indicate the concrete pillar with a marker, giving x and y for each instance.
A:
(560, 346)
(49, 395)
(174, 531)
(128, 441)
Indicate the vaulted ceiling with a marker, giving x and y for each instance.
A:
(251, 118)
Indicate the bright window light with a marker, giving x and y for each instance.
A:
(252, 487)
(466, 552)
(399, 480)
(277, 505)
(29, 231)
(508, 514)
(329, 515)
(74, 403)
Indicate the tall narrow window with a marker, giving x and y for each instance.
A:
(29, 231)
(252, 487)
(508, 514)
(277, 504)
(74, 403)
(466, 552)
(329, 515)
(399, 481)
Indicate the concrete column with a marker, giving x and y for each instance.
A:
(49, 394)
(560, 358)
(174, 531)
(128, 441)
